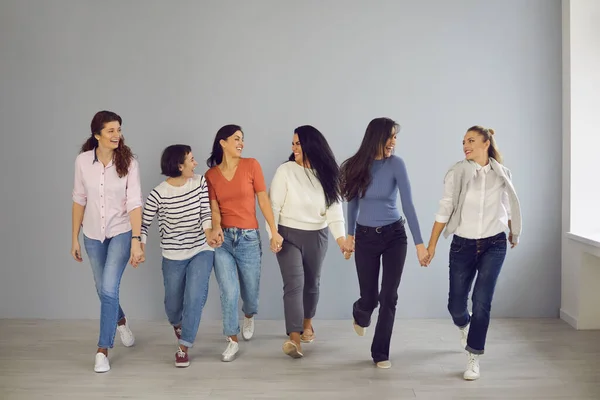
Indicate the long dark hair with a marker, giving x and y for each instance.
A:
(317, 154)
(488, 134)
(216, 156)
(356, 171)
(122, 155)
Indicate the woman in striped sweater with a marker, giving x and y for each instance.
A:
(185, 226)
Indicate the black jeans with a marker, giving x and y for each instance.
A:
(372, 244)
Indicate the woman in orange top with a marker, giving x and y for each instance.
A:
(234, 183)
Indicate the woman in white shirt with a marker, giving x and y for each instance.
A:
(306, 202)
(479, 205)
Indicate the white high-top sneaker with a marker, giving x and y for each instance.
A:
(464, 334)
(230, 351)
(472, 371)
(248, 328)
(126, 335)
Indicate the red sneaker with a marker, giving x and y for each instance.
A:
(181, 359)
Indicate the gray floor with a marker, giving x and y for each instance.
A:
(526, 359)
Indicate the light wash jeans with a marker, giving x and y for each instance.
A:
(108, 260)
(237, 269)
(186, 289)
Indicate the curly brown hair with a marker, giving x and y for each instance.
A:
(122, 155)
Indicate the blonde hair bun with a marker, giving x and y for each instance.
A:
(491, 131)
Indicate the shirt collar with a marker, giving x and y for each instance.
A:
(484, 169)
(96, 158)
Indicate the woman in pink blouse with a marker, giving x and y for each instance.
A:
(107, 201)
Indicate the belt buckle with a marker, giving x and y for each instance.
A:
(378, 229)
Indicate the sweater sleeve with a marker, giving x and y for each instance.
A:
(150, 210)
(205, 212)
(335, 220)
(277, 195)
(408, 207)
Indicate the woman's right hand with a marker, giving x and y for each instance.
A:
(76, 251)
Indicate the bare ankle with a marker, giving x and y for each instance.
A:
(122, 321)
(295, 337)
(234, 338)
(103, 351)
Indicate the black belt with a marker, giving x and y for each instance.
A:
(380, 229)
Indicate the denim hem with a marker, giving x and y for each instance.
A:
(473, 351)
(186, 343)
(227, 334)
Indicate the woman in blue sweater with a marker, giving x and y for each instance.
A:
(370, 183)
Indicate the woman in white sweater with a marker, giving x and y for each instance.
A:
(479, 205)
(306, 202)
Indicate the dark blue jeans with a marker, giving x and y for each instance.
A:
(468, 257)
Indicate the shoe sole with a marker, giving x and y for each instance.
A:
(101, 370)
(305, 340)
(291, 350)
(182, 365)
(383, 366)
(470, 378)
(229, 359)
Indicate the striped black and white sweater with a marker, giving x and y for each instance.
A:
(183, 215)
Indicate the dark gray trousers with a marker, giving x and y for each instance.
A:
(300, 261)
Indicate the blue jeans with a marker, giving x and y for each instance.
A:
(237, 269)
(186, 289)
(467, 257)
(108, 260)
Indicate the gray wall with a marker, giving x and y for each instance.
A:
(177, 71)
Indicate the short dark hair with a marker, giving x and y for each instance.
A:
(172, 157)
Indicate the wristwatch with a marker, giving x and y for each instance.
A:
(137, 237)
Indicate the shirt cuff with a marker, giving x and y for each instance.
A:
(207, 224)
(441, 219)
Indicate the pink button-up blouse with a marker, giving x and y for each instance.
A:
(107, 199)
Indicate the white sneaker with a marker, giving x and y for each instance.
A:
(248, 328)
(101, 364)
(472, 371)
(464, 334)
(384, 364)
(127, 337)
(230, 351)
(360, 331)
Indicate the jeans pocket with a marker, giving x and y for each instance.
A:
(251, 235)
(455, 247)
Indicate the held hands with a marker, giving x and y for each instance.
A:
(137, 253)
(431, 251)
(423, 255)
(276, 243)
(348, 247)
(214, 237)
